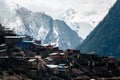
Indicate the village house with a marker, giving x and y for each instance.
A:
(59, 58)
(55, 49)
(13, 41)
(72, 52)
(3, 50)
(27, 45)
(49, 60)
(9, 32)
(58, 55)
(44, 49)
(2, 38)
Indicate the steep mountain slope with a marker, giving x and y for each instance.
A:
(42, 27)
(105, 39)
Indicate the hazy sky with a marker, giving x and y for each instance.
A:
(55, 7)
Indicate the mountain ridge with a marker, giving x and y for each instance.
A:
(105, 38)
(41, 26)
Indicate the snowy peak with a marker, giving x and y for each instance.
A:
(33, 22)
(68, 15)
(72, 18)
(67, 36)
(70, 12)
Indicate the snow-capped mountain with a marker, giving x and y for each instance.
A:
(83, 28)
(85, 16)
(42, 27)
